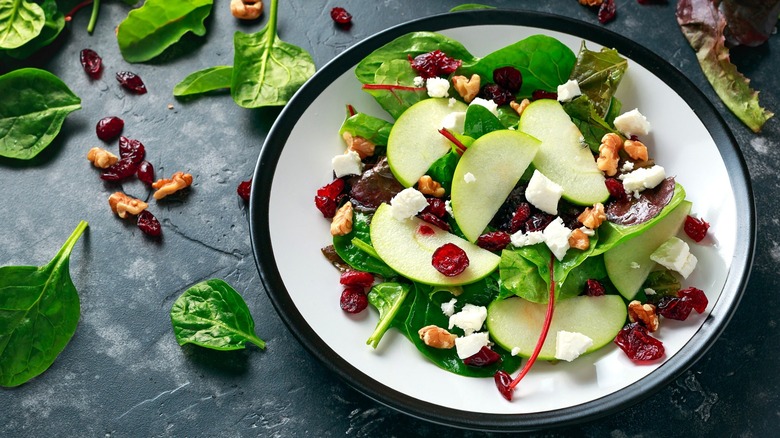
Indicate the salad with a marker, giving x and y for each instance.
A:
(510, 211)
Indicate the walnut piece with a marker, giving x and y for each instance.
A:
(593, 217)
(644, 313)
(101, 158)
(591, 2)
(427, 186)
(636, 150)
(362, 146)
(467, 88)
(608, 153)
(122, 205)
(246, 9)
(437, 337)
(519, 107)
(165, 187)
(578, 239)
(342, 221)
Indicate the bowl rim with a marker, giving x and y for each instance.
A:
(711, 328)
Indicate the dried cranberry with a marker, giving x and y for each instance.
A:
(675, 308)
(496, 93)
(109, 128)
(145, 172)
(450, 259)
(149, 224)
(425, 230)
(503, 381)
(353, 299)
(433, 64)
(593, 288)
(519, 218)
(508, 78)
(544, 94)
(328, 196)
(333, 189)
(244, 189)
(696, 228)
(120, 170)
(433, 220)
(637, 344)
(326, 206)
(340, 16)
(616, 189)
(697, 298)
(131, 149)
(607, 11)
(437, 207)
(538, 221)
(484, 357)
(91, 62)
(352, 277)
(494, 240)
(131, 81)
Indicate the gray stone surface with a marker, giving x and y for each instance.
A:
(123, 373)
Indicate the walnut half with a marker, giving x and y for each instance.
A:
(122, 205)
(246, 9)
(101, 158)
(165, 187)
(342, 221)
(644, 313)
(437, 337)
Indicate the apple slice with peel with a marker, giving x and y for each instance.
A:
(415, 142)
(407, 246)
(628, 264)
(517, 323)
(563, 157)
(495, 162)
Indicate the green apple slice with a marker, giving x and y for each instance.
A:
(496, 161)
(402, 245)
(628, 264)
(415, 142)
(562, 156)
(517, 323)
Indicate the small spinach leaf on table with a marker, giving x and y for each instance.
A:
(203, 81)
(52, 26)
(20, 22)
(33, 107)
(39, 312)
(388, 299)
(213, 315)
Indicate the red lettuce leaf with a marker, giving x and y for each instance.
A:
(749, 22)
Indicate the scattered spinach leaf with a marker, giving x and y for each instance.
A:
(33, 107)
(598, 75)
(213, 315)
(20, 22)
(52, 27)
(40, 312)
(387, 298)
(203, 81)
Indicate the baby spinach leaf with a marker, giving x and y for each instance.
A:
(39, 312)
(52, 26)
(20, 22)
(355, 256)
(480, 121)
(598, 75)
(663, 282)
(371, 128)
(592, 126)
(395, 90)
(203, 81)
(443, 169)
(150, 29)
(387, 298)
(213, 315)
(33, 107)
(592, 268)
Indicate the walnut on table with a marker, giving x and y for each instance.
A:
(165, 187)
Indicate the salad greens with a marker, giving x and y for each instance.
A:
(40, 314)
(204, 81)
(20, 22)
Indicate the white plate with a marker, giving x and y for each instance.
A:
(688, 138)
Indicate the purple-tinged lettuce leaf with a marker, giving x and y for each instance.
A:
(749, 22)
(703, 26)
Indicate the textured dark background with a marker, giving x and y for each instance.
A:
(123, 373)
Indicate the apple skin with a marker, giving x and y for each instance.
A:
(409, 252)
(516, 322)
(562, 157)
(415, 143)
(497, 161)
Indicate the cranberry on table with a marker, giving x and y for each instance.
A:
(91, 62)
(109, 128)
(131, 82)
(149, 224)
(131, 149)
(607, 11)
(244, 189)
(146, 172)
(122, 169)
(341, 16)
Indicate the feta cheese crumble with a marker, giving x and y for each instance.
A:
(407, 203)
(632, 123)
(635, 265)
(649, 291)
(520, 239)
(451, 102)
(347, 164)
(489, 104)
(556, 236)
(419, 81)
(570, 345)
(643, 178)
(469, 178)
(448, 207)
(454, 121)
(470, 345)
(515, 351)
(437, 87)
(569, 90)
(543, 193)
(628, 166)
(469, 319)
(448, 308)
(675, 254)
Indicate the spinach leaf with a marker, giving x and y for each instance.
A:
(395, 90)
(663, 283)
(443, 169)
(371, 128)
(52, 27)
(356, 257)
(470, 6)
(592, 126)
(266, 70)
(592, 268)
(480, 121)
(213, 315)
(20, 22)
(598, 75)
(33, 107)
(40, 312)
(203, 81)
(152, 28)
(387, 298)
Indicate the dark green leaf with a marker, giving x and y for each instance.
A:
(470, 6)
(33, 107)
(443, 169)
(663, 283)
(394, 89)
(371, 128)
(387, 298)
(480, 121)
(591, 268)
(20, 22)
(39, 312)
(52, 27)
(203, 81)
(598, 75)
(356, 257)
(213, 315)
(592, 126)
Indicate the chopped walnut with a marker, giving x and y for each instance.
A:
(593, 217)
(122, 205)
(342, 221)
(246, 9)
(519, 107)
(165, 187)
(591, 2)
(362, 146)
(427, 186)
(608, 153)
(467, 88)
(636, 150)
(578, 239)
(101, 158)
(644, 313)
(437, 337)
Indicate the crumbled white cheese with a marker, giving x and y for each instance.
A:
(437, 87)
(643, 178)
(470, 345)
(515, 351)
(469, 178)
(649, 291)
(470, 318)
(543, 193)
(628, 166)
(519, 238)
(419, 81)
(454, 121)
(676, 255)
(556, 236)
(451, 102)
(448, 308)
(570, 345)
(587, 231)
(568, 91)
(407, 203)
(448, 207)
(635, 265)
(348, 163)
(489, 104)
(632, 123)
